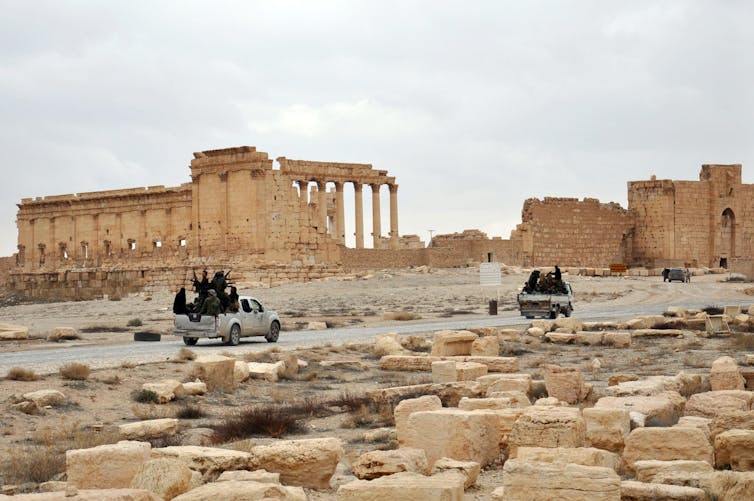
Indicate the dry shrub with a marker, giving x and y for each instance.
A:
(190, 411)
(400, 315)
(75, 371)
(135, 322)
(749, 291)
(144, 396)
(56, 337)
(184, 355)
(103, 328)
(270, 420)
(21, 374)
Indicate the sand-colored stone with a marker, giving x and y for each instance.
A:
(645, 322)
(265, 371)
(235, 490)
(573, 325)
(560, 337)
(540, 426)
(732, 485)
(451, 343)
(617, 339)
(518, 398)
(715, 403)
(88, 495)
(525, 481)
(43, 398)
(387, 344)
(565, 383)
(194, 388)
(450, 393)
(536, 332)
(725, 375)
(734, 449)
(305, 463)
(606, 428)
(696, 422)
(638, 491)
(263, 476)
(404, 486)
(485, 346)
(587, 456)
(209, 461)
(455, 433)
(666, 444)
(734, 420)
(216, 371)
(13, 332)
(106, 466)
(62, 334)
(375, 464)
(167, 478)
(166, 390)
(151, 428)
(649, 470)
(507, 382)
(471, 404)
(240, 371)
(404, 409)
(662, 409)
(591, 338)
(469, 469)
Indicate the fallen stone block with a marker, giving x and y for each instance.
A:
(409, 363)
(631, 490)
(375, 464)
(387, 344)
(565, 383)
(194, 388)
(72, 493)
(404, 409)
(731, 485)
(696, 422)
(165, 390)
(507, 382)
(237, 491)
(734, 449)
(734, 420)
(152, 428)
(518, 398)
(404, 486)
(617, 339)
(240, 371)
(216, 371)
(714, 403)
(305, 463)
(265, 371)
(587, 456)
(560, 337)
(494, 364)
(540, 426)
(450, 393)
(455, 433)
(262, 476)
(469, 469)
(606, 428)
(645, 322)
(10, 332)
(450, 343)
(666, 444)
(472, 404)
(591, 338)
(209, 461)
(651, 469)
(485, 346)
(725, 375)
(662, 409)
(106, 466)
(638, 333)
(572, 325)
(43, 398)
(525, 481)
(57, 334)
(167, 478)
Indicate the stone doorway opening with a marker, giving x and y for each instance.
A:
(727, 237)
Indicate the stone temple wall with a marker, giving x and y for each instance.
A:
(571, 232)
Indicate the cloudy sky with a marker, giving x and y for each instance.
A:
(472, 106)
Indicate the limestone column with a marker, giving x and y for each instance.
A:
(359, 214)
(393, 216)
(322, 205)
(340, 217)
(376, 226)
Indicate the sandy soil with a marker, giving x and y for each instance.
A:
(104, 400)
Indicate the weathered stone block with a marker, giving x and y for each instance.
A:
(565, 383)
(240, 371)
(209, 461)
(106, 466)
(540, 426)
(725, 375)
(660, 410)
(165, 390)
(714, 403)
(735, 449)
(469, 469)
(648, 470)
(451, 343)
(591, 338)
(266, 371)
(525, 481)
(485, 346)
(306, 463)
(587, 456)
(404, 486)
(735, 420)
(404, 409)
(43, 398)
(166, 478)
(387, 344)
(607, 428)
(617, 339)
(152, 428)
(638, 491)
(242, 490)
(508, 382)
(666, 444)
(262, 476)
(375, 464)
(216, 371)
(456, 434)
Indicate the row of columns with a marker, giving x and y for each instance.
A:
(340, 223)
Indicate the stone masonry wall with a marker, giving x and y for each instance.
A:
(570, 232)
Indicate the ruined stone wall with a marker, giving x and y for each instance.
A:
(570, 232)
(696, 223)
(477, 246)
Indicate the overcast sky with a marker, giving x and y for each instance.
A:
(472, 106)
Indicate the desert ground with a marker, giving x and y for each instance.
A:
(329, 392)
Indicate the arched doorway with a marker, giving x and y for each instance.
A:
(727, 237)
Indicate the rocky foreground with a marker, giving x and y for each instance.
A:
(540, 431)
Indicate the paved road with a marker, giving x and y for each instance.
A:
(46, 361)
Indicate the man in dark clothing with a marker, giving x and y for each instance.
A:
(201, 287)
(179, 303)
(233, 298)
(533, 280)
(558, 275)
(211, 305)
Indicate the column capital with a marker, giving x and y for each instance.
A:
(338, 185)
(321, 184)
(393, 188)
(357, 185)
(375, 186)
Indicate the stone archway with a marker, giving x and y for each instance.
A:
(727, 237)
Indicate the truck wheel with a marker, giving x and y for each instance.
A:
(554, 314)
(272, 336)
(190, 341)
(234, 336)
(567, 311)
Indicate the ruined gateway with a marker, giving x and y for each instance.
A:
(272, 226)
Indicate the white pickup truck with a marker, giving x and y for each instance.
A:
(540, 304)
(252, 319)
